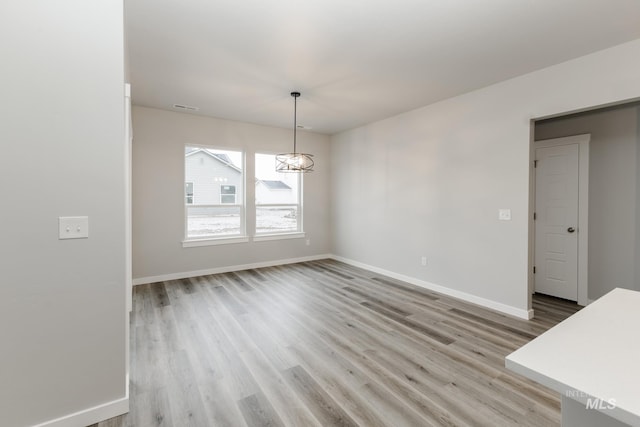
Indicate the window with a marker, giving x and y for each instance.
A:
(189, 193)
(228, 194)
(278, 198)
(214, 182)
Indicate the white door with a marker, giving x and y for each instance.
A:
(556, 222)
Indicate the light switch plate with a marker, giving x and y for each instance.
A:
(73, 227)
(504, 214)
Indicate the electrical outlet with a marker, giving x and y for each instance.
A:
(504, 214)
(73, 227)
(423, 261)
(308, 242)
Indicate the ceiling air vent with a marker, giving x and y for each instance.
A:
(185, 107)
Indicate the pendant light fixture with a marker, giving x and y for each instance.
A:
(294, 162)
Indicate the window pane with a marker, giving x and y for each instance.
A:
(213, 177)
(227, 189)
(205, 222)
(210, 170)
(228, 199)
(276, 219)
(189, 192)
(273, 187)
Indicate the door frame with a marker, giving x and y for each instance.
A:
(583, 209)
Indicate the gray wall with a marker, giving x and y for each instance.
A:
(637, 262)
(430, 182)
(158, 192)
(62, 302)
(613, 192)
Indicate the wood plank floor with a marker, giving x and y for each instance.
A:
(327, 344)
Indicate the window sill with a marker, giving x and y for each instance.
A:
(214, 241)
(282, 236)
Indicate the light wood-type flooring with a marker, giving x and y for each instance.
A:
(327, 344)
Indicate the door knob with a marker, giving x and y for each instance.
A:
(571, 229)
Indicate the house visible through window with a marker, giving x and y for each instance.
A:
(278, 198)
(214, 188)
(228, 194)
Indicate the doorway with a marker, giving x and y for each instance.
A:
(561, 176)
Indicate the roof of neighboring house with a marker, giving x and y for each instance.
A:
(275, 185)
(218, 156)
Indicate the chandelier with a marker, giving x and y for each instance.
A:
(294, 162)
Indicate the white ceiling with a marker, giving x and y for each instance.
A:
(355, 61)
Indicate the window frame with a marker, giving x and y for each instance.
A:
(277, 235)
(242, 235)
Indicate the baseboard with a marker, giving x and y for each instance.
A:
(91, 416)
(474, 299)
(227, 269)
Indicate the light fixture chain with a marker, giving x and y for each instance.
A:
(295, 122)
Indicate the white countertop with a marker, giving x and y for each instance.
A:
(593, 354)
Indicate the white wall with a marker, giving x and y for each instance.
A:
(62, 302)
(613, 187)
(158, 192)
(430, 182)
